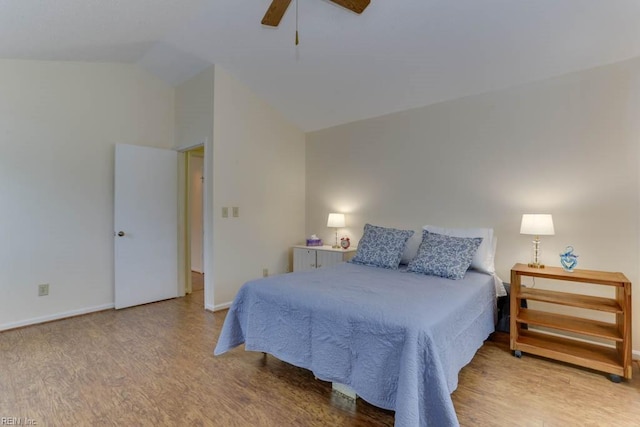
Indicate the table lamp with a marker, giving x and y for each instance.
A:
(336, 220)
(537, 225)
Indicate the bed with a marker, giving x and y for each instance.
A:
(396, 337)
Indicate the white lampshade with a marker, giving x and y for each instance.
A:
(336, 220)
(537, 225)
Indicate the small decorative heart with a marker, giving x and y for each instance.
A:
(568, 259)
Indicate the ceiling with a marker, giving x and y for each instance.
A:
(398, 54)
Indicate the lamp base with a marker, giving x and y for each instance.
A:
(536, 254)
(535, 265)
(336, 247)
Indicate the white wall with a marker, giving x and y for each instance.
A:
(194, 110)
(568, 146)
(59, 123)
(258, 166)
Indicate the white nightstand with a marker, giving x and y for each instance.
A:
(310, 257)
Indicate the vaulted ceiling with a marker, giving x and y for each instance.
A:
(397, 54)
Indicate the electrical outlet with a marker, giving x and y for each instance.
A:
(265, 272)
(43, 290)
(236, 211)
(225, 212)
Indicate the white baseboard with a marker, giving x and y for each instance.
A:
(57, 316)
(217, 307)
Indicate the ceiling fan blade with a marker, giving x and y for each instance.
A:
(356, 6)
(275, 12)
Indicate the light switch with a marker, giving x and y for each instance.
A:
(225, 212)
(236, 211)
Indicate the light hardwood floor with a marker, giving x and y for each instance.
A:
(197, 281)
(154, 365)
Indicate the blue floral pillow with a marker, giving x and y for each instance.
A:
(444, 256)
(381, 247)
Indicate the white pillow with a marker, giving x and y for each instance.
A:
(484, 258)
(411, 249)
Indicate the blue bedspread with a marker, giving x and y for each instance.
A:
(397, 338)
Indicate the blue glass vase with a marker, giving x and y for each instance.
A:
(568, 259)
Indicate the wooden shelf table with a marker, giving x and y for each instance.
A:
(614, 359)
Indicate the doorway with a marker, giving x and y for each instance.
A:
(195, 172)
(193, 218)
(202, 152)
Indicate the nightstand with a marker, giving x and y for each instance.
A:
(311, 257)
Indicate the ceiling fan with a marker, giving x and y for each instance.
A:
(279, 7)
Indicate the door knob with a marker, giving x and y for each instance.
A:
(120, 233)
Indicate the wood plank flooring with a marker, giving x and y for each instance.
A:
(154, 365)
(197, 281)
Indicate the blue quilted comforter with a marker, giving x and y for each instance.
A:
(397, 338)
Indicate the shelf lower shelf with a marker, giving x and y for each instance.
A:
(571, 351)
(593, 328)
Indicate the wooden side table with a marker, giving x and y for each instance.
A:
(615, 360)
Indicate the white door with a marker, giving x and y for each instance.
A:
(146, 225)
